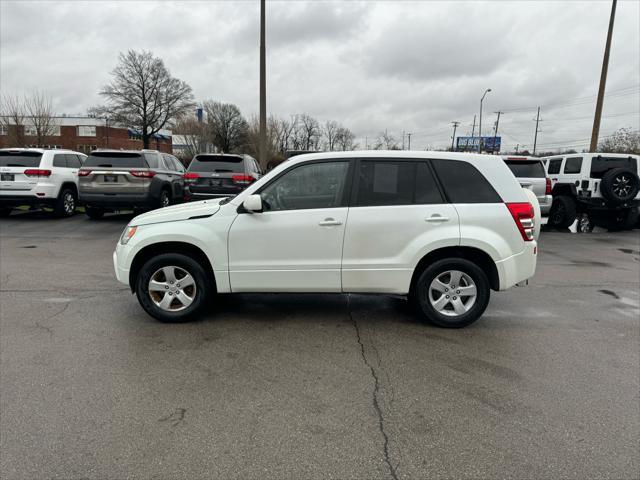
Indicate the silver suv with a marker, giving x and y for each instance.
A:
(129, 179)
(531, 174)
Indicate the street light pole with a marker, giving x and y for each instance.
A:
(263, 91)
(480, 121)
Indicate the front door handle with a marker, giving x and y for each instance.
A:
(330, 222)
(436, 219)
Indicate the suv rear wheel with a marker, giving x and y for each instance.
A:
(165, 199)
(563, 212)
(452, 293)
(172, 287)
(66, 203)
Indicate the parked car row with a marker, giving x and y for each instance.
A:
(111, 180)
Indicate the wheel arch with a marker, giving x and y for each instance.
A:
(155, 249)
(70, 185)
(481, 258)
(566, 189)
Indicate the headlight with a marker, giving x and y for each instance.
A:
(127, 234)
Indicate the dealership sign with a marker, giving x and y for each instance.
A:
(470, 144)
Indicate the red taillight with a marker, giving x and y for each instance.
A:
(37, 172)
(143, 173)
(242, 178)
(524, 217)
(83, 173)
(547, 190)
(190, 176)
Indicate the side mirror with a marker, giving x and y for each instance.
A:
(253, 203)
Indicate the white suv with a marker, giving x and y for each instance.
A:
(38, 177)
(441, 228)
(597, 188)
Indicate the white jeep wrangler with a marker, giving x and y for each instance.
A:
(595, 188)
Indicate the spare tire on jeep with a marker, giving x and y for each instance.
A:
(620, 185)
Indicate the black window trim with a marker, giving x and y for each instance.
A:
(346, 194)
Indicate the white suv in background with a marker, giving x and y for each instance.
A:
(396, 222)
(39, 177)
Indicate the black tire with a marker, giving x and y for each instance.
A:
(165, 198)
(563, 212)
(421, 293)
(66, 203)
(619, 185)
(94, 213)
(5, 211)
(203, 287)
(618, 220)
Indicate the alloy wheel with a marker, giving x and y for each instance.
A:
(621, 186)
(69, 203)
(452, 293)
(172, 288)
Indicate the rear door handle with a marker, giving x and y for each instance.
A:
(330, 222)
(436, 219)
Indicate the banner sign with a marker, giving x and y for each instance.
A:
(470, 144)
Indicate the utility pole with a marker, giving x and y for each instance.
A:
(495, 133)
(473, 129)
(453, 138)
(403, 139)
(535, 138)
(409, 136)
(603, 81)
(480, 121)
(263, 90)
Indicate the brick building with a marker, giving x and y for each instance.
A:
(81, 134)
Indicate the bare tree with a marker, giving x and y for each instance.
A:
(345, 139)
(624, 140)
(227, 126)
(385, 141)
(144, 95)
(330, 132)
(39, 111)
(308, 132)
(195, 136)
(12, 119)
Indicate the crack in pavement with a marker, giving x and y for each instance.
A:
(376, 391)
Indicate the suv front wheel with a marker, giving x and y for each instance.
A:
(452, 293)
(172, 287)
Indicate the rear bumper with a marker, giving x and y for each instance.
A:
(545, 204)
(518, 268)
(213, 192)
(28, 200)
(116, 201)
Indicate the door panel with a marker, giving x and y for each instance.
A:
(383, 244)
(287, 250)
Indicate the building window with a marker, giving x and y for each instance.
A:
(86, 131)
(50, 131)
(4, 130)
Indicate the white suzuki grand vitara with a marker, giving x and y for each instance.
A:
(442, 228)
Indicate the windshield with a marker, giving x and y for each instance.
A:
(20, 159)
(526, 168)
(217, 163)
(601, 165)
(115, 159)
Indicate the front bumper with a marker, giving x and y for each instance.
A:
(122, 257)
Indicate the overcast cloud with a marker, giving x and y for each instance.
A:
(401, 66)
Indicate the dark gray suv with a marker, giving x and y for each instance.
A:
(212, 175)
(129, 179)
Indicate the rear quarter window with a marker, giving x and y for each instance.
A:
(115, 160)
(20, 159)
(526, 168)
(554, 166)
(463, 183)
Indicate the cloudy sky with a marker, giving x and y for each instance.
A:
(401, 66)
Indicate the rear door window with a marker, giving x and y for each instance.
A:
(427, 191)
(573, 165)
(554, 166)
(385, 183)
(115, 160)
(463, 183)
(526, 168)
(60, 160)
(153, 160)
(178, 165)
(217, 164)
(20, 159)
(601, 165)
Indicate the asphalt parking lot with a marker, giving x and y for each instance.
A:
(546, 385)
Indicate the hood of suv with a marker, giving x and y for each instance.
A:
(175, 213)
